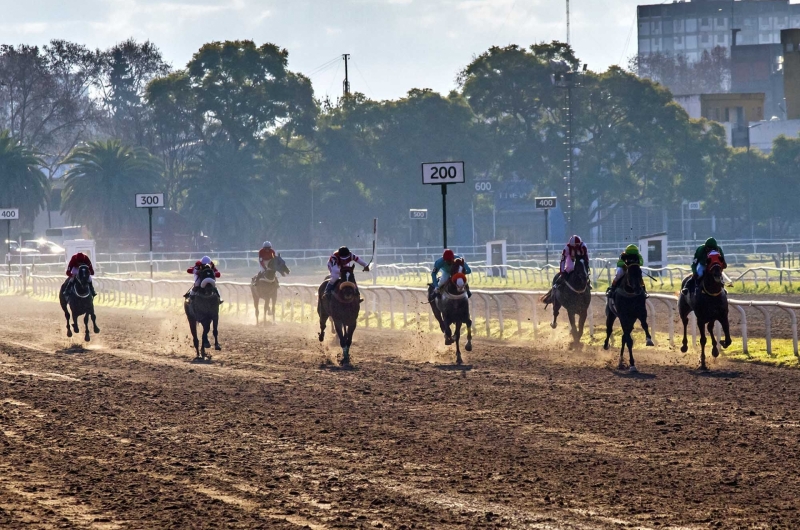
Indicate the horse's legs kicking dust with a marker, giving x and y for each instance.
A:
(468, 346)
(714, 349)
(214, 323)
(86, 327)
(457, 336)
(556, 309)
(646, 328)
(94, 322)
(703, 340)
(610, 318)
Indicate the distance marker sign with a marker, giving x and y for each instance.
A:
(545, 203)
(9, 214)
(149, 200)
(443, 173)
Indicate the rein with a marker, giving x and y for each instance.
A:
(450, 296)
(704, 290)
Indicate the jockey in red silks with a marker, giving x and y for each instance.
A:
(265, 255)
(574, 250)
(195, 270)
(72, 270)
(340, 259)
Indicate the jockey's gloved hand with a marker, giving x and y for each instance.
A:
(366, 269)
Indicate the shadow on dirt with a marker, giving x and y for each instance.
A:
(73, 349)
(197, 360)
(330, 367)
(721, 374)
(454, 367)
(633, 375)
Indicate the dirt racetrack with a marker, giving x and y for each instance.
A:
(129, 434)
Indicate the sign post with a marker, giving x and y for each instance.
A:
(9, 214)
(150, 201)
(442, 174)
(546, 204)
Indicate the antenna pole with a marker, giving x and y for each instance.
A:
(346, 87)
(567, 21)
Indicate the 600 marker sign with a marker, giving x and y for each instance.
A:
(443, 173)
(9, 214)
(149, 200)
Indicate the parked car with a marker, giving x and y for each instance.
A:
(16, 250)
(42, 246)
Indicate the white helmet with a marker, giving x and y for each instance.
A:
(205, 260)
(267, 244)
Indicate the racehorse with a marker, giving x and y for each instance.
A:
(452, 307)
(709, 305)
(574, 294)
(342, 307)
(203, 308)
(264, 285)
(629, 305)
(78, 296)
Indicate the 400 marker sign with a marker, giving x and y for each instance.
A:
(443, 173)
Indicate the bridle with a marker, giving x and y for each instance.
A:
(713, 267)
(585, 285)
(79, 281)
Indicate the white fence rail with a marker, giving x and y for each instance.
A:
(497, 313)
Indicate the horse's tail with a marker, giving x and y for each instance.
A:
(547, 298)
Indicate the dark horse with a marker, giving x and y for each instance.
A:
(264, 285)
(452, 307)
(710, 304)
(78, 296)
(342, 307)
(629, 305)
(203, 308)
(574, 294)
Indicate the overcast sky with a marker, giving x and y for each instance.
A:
(395, 45)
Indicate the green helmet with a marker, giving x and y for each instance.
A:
(632, 250)
(711, 243)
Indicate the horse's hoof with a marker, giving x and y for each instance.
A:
(87, 338)
(321, 336)
(703, 368)
(621, 366)
(650, 342)
(217, 347)
(459, 361)
(448, 341)
(96, 329)
(206, 344)
(684, 348)
(633, 369)
(69, 333)
(715, 353)
(553, 325)
(725, 343)
(468, 347)
(605, 345)
(76, 329)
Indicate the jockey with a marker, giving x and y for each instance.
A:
(573, 251)
(631, 256)
(444, 264)
(340, 259)
(195, 271)
(265, 255)
(701, 257)
(72, 270)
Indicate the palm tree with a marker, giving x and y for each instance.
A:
(102, 182)
(23, 183)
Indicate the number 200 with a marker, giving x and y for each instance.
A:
(444, 172)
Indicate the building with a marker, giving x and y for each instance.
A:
(790, 42)
(759, 68)
(732, 108)
(691, 28)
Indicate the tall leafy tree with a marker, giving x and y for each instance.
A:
(103, 178)
(23, 183)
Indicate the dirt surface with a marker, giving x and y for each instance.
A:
(128, 433)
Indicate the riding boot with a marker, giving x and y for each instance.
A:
(469, 293)
(433, 294)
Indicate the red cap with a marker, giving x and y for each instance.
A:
(448, 255)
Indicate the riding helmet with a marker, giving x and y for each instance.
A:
(344, 252)
(632, 250)
(711, 243)
(575, 241)
(448, 255)
(205, 260)
(267, 244)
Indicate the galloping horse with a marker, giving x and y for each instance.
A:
(79, 299)
(629, 305)
(342, 307)
(203, 307)
(709, 305)
(575, 296)
(264, 285)
(452, 307)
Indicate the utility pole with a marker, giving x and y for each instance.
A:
(346, 87)
(567, 21)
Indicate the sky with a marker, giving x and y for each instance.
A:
(395, 45)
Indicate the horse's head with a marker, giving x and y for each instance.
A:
(83, 275)
(580, 272)
(633, 278)
(207, 277)
(278, 264)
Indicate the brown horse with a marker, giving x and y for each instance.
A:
(452, 307)
(342, 307)
(264, 285)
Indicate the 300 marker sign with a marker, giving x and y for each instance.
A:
(149, 200)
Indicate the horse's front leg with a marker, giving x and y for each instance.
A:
(214, 323)
(468, 346)
(341, 333)
(94, 322)
(684, 344)
(703, 340)
(556, 309)
(206, 326)
(610, 318)
(255, 304)
(323, 321)
(629, 342)
(573, 328)
(448, 332)
(86, 327)
(714, 349)
(195, 342)
(75, 326)
(646, 328)
(582, 322)
(456, 337)
(69, 329)
(726, 329)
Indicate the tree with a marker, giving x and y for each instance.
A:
(101, 184)
(710, 74)
(21, 179)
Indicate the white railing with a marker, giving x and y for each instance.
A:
(504, 314)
